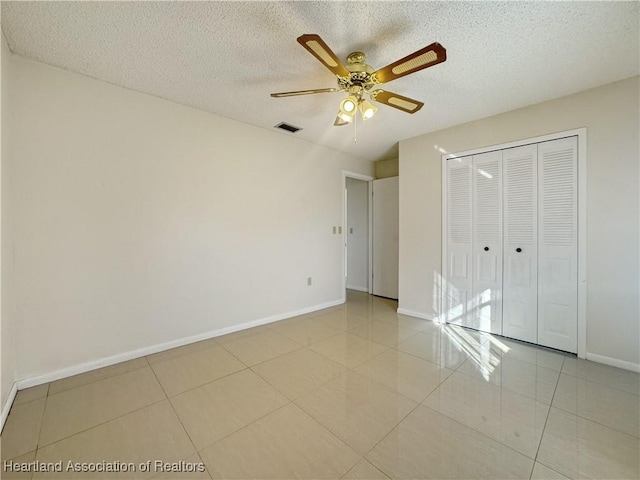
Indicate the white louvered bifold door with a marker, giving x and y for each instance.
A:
(457, 287)
(557, 244)
(520, 289)
(485, 307)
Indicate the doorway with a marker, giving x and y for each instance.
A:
(357, 221)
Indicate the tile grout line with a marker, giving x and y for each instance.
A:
(322, 339)
(608, 427)
(544, 428)
(202, 384)
(479, 432)
(103, 423)
(44, 409)
(98, 379)
(245, 426)
(177, 416)
(306, 392)
(502, 387)
(600, 383)
(205, 465)
(419, 404)
(275, 333)
(215, 380)
(473, 428)
(390, 430)
(346, 366)
(330, 432)
(175, 357)
(392, 389)
(106, 421)
(552, 469)
(26, 403)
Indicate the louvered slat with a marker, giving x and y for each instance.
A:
(558, 198)
(460, 205)
(520, 200)
(488, 219)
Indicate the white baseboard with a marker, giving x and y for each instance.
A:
(412, 313)
(133, 354)
(6, 408)
(359, 289)
(614, 362)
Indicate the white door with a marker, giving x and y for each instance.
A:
(457, 286)
(558, 244)
(520, 282)
(385, 237)
(486, 300)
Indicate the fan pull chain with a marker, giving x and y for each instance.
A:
(355, 127)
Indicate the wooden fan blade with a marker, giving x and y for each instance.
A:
(316, 46)
(424, 58)
(304, 92)
(394, 100)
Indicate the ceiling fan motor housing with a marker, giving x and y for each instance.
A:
(360, 73)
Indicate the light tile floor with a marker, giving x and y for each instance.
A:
(354, 391)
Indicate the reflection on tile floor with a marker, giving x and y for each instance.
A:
(354, 391)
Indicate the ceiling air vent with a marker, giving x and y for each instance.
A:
(288, 127)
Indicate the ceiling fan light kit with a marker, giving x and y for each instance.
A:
(358, 78)
(367, 109)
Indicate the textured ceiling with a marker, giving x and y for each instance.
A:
(226, 57)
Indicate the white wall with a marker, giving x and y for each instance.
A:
(7, 331)
(139, 221)
(357, 234)
(611, 116)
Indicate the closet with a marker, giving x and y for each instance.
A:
(510, 257)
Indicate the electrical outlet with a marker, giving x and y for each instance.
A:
(334, 230)
(340, 229)
(309, 281)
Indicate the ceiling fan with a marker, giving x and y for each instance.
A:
(358, 78)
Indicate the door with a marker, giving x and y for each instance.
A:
(385, 237)
(486, 300)
(357, 234)
(520, 280)
(457, 286)
(558, 244)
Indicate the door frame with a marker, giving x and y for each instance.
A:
(369, 179)
(581, 133)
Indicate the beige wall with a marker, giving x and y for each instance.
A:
(387, 168)
(7, 331)
(611, 115)
(141, 222)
